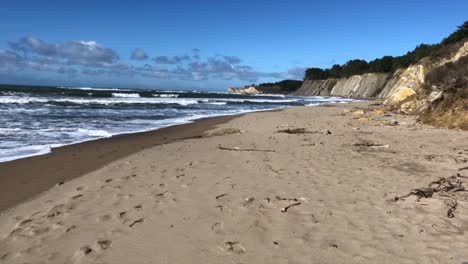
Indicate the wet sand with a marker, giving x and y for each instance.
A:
(22, 179)
(302, 185)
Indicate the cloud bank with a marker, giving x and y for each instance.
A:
(138, 54)
(89, 58)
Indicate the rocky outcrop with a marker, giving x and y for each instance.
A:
(359, 86)
(245, 90)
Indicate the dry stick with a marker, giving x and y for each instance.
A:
(285, 209)
(160, 194)
(294, 131)
(239, 149)
(271, 169)
(136, 221)
(221, 195)
(286, 199)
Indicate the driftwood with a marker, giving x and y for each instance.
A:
(447, 187)
(295, 131)
(286, 199)
(301, 130)
(285, 209)
(273, 170)
(136, 222)
(370, 145)
(239, 149)
(221, 195)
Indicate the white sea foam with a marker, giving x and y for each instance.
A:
(92, 88)
(9, 131)
(94, 133)
(101, 101)
(126, 95)
(270, 95)
(24, 152)
(166, 95)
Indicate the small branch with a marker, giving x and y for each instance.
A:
(271, 169)
(136, 222)
(286, 199)
(285, 209)
(221, 195)
(159, 195)
(239, 149)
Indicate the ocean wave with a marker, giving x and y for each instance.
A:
(269, 95)
(97, 101)
(126, 95)
(217, 103)
(9, 131)
(166, 95)
(91, 88)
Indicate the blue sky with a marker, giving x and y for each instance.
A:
(206, 44)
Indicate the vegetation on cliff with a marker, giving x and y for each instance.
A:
(284, 86)
(447, 88)
(387, 64)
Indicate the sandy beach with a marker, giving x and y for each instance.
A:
(301, 185)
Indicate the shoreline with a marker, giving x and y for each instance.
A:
(64, 163)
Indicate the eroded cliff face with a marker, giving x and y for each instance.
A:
(359, 86)
(316, 87)
(407, 91)
(441, 97)
(440, 100)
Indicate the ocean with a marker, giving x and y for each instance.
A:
(34, 119)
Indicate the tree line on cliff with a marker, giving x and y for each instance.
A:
(284, 85)
(387, 64)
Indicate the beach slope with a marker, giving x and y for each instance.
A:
(302, 185)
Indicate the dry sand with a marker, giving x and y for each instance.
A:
(223, 198)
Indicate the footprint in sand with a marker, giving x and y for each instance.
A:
(59, 210)
(128, 177)
(91, 250)
(234, 247)
(217, 227)
(133, 216)
(104, 244)
(104, 218)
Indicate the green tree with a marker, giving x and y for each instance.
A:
(458, 35)
(315, 74)
(334, 71)
(354, 67)
(384, 64)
